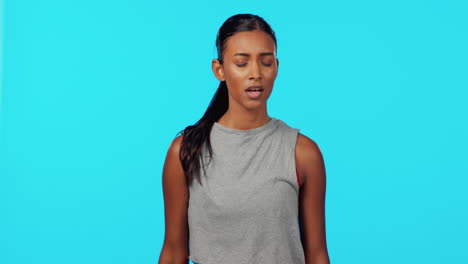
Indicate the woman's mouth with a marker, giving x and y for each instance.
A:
(254, 92)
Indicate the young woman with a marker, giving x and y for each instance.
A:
(241, 187)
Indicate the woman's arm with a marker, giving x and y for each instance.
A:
(311, 170)
(175, 189)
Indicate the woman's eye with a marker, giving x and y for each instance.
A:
(245, 64)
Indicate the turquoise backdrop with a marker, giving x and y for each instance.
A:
(93, 92)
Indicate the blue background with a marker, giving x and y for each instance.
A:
(93, 92)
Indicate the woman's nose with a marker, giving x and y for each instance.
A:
(255, 72)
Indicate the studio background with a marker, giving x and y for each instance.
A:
(93, 92)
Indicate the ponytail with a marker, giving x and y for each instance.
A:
(197, 136)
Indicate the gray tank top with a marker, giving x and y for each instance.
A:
(246, 211)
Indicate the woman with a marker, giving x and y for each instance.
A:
(259, 193)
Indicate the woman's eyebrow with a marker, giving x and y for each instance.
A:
(248, 55)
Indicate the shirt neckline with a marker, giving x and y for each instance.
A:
(271, 123)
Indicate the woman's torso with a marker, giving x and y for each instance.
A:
(247, 209)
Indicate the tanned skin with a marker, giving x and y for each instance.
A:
(249, 60)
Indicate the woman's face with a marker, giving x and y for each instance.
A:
(249, 60)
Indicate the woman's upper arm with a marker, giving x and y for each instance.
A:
(311, 169)
(176, 195)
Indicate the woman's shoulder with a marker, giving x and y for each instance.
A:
(306, 146)
(174, 147)
(308, 156)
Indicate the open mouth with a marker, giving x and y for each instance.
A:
(254, 92)
(254, 89)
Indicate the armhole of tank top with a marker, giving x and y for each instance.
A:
(296, 135)
(298, 179)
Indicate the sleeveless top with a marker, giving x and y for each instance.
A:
(246, 210)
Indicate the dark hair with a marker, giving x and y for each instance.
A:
(197, 136)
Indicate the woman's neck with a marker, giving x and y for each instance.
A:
(244, 121)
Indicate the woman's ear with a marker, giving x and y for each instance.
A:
(217, 68)
(277, 67)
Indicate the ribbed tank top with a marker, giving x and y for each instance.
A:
(246, 211)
